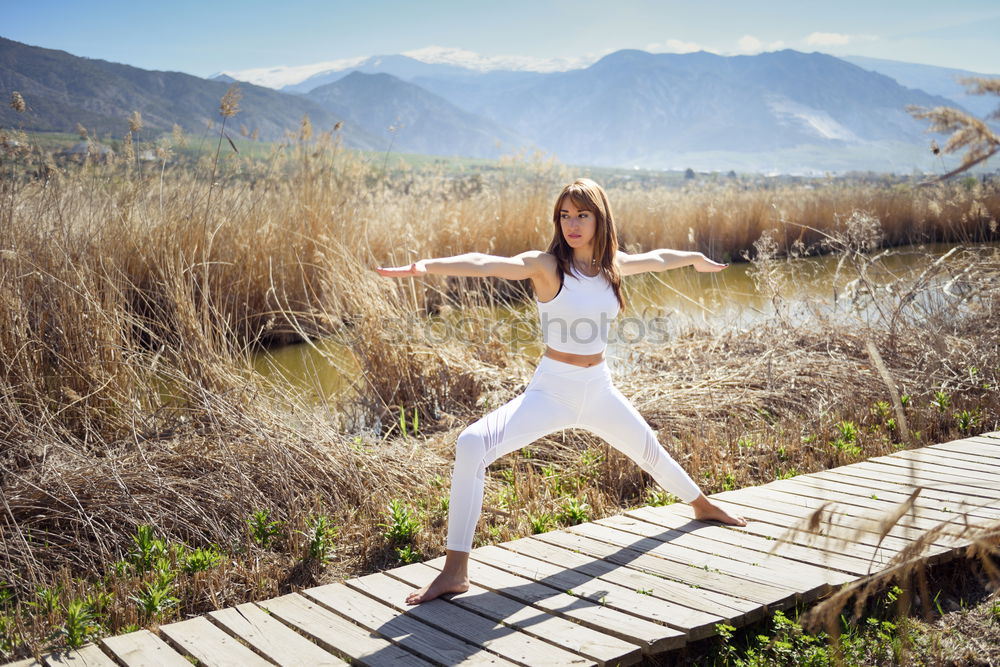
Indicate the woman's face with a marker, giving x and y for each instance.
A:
(578, 225)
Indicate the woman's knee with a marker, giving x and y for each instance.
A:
(470, 447)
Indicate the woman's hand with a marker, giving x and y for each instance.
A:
(703, 264)
(414, 269)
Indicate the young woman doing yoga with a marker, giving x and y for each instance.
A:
(577, 286)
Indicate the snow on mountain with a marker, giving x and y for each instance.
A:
(282, 76)
(470, 60)
(817, 121)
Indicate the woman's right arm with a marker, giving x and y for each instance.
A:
(519, 267)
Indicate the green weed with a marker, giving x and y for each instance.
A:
(540, 523)
(320, 534)
(411, 428)
(966, 420)
(46, 599)
(506, 498)
(574, 511)
(200, 560)
(155, 599)
(147, 549)
(729, 482)
(401, 526)
(846, 440)
(80, 626)
(882, 410)
(99, 602)
(6, 594)
(590, 462)
(553, 480)
(263, 530)
(9, 637)
(941, 401)
(659, 498)
(408, 554)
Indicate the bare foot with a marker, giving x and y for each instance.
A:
(706, 510)
(443, 583)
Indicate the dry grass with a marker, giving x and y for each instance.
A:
(131, 299)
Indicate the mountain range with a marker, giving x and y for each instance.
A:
(781, 111)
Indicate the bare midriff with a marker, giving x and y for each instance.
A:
(575, 359)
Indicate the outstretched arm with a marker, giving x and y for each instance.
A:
(665, 259)
(519, 267)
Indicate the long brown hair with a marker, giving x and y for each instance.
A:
(588, 195)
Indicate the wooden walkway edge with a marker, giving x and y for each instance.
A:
(609, 592)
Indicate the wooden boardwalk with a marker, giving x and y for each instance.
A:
(603, 593)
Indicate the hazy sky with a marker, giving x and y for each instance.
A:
(203, 38)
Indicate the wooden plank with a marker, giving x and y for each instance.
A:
(966, 462)
(979, 446)
(338, 635)
(887, 494)
(983, 438)
(86, 656)
(950, 500)
(401, 629)
(698, 621)
(940, 471)
(652, 637)
(950, 457)
(272, 638)
(601, 648)
(934, 502)
(209, 645)
(839, 536)
(968, 487)
(802, 573)
(835, 516)
(701, 574)
(561, 548)
(959, 450)
(920, 460)
(646, 520)
(27, 662)
(852, 506)
(606, 593)
(738, 609)
(143, 649)
(918, 517)
(846, 517)
(500, 639)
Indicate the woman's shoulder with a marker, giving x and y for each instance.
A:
(539, 259)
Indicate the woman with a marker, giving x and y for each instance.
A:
(577, 286)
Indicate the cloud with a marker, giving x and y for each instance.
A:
(836, 39)
(749, 44)
(675, 46)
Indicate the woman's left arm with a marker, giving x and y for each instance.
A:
(665, 259)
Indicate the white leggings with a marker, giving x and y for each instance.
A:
(559, 396)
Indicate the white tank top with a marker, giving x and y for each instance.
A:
(578, 318)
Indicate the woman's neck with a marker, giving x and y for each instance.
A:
(585, 264)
